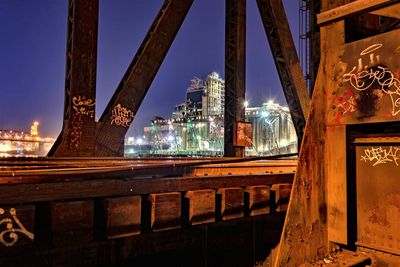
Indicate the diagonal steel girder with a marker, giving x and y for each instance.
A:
(286, 60)
(123, 106)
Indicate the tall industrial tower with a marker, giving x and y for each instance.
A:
(213, 95)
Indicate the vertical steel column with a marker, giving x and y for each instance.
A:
(235, 72)
(122, 108)
(79, 127)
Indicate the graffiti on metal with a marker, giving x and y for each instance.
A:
(121, 116)
(13, 228)
(376, 77)
(76, 131)
(345, 103)
(379, 155)
(367, 79)
(83, 106)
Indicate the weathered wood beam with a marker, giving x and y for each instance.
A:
(124, 104)
(79, 126)
(122, 216)
(257, 199)
(286, 60)
(165, 211)
(281, 196)
(231, 203)
(72, 223)
(235, 73)
(392, 11)
(200, 206)
(353, 8)
(53, 190)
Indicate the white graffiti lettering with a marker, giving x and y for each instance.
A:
(83, 106)
(9, 236)
(363, 77)
(121, 116)
(378, 155)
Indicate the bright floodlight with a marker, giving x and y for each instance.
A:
(246, 103)
(139, 141)
(264, 114)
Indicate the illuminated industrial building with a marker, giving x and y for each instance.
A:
(196, 126)
(19, 143)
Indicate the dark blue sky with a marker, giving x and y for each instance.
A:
(32, 57)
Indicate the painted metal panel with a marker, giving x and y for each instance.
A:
(378, 196)
(367, 82)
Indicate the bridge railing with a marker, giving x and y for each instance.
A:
(58, 208)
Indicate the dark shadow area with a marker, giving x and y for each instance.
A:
(243, 242)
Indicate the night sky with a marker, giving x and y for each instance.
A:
(32, 58)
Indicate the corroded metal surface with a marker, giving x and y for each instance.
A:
(378, 196)
(19, 170)
(83, 202)
(368, 85)
(79, 126)
(235, 72)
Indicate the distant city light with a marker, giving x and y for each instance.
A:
(246, 104)
(170, 138)
(19, 143)
(264, 114)
(139, 141)
(270, 102)
(5, 147)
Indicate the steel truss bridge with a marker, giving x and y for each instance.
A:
(84, 205)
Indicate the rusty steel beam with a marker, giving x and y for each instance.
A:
(352, 8)
(79, 126)
(286, 60)
(235, 72)
(125, 102)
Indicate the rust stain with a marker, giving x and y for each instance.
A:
(394, 200)
(379, 217)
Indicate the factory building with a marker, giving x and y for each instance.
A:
(15, 143)
(196, 126)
